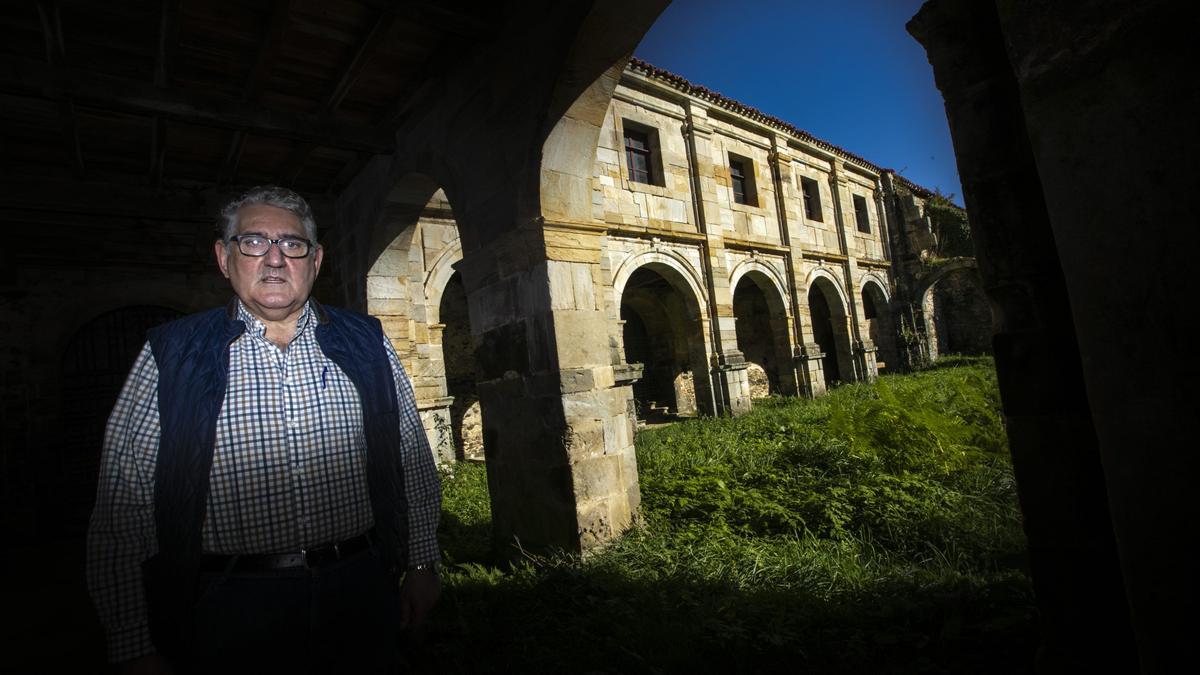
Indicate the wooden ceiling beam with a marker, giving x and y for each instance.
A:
(48, 195)
(158, 151)
(349, 170)
(268, 50)
(24, 76)
(233, 157)
(168, 37)
(290, 170)
(379, 30)
(433, 14)
(56, 55)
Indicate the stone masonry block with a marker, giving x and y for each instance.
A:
(386, 287)
(597, 477)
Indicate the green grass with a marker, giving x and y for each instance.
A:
(874, 529)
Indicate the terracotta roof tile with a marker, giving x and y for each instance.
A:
(706, 94)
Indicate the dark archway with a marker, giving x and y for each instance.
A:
(94, 367)
(881, 328)
(828, 315)
(762, 333)
(958, 314)
(660, 333)
(466, 421)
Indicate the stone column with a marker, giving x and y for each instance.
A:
(1056, 459)
(885, 230)
(864, 360)
(557, 430)
(730, 386)
(787, 206)
(810, 368)
(841, 197)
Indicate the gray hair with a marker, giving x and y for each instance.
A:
(268, 195)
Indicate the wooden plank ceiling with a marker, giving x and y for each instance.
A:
(201, 93)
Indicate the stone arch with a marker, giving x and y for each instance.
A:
(94, 364)
(681, 273)
(831, 277)
(830, 326)
(771, 274)
(663, 328)
(880, 323)
(763, 328)
(439, 274)
(950, 266)
(957, 312)
(405, 284)
(461, 375)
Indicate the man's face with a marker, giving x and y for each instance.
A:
(273, 287)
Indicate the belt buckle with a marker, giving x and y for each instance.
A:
(314, 558)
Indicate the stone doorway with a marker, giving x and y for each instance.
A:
(880, 327)
(466, 421)
(661, 333)
(94, 367)
(958, 314)
(762, 336)
(830, 331)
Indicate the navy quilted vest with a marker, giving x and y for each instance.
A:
(192, 355)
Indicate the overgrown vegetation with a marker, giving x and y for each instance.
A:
(874, 529)
(949, 223)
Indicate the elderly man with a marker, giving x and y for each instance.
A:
(265, 479)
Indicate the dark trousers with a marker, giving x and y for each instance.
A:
(342, 617)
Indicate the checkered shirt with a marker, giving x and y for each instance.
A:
(289, 470)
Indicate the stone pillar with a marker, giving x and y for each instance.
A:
(1095, 80)
(730, 387)
(867, 370)
(787, 206)
(841, 197)
(557, 430)
(809, 365)
(885, 230)
(439, 427)
(1055, 453)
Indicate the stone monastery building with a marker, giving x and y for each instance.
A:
(738, 257)
(609, 242)
(559, 244)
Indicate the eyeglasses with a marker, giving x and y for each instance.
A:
(256, 245)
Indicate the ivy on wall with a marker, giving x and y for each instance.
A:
(951, 228)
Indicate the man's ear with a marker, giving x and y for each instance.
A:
(318, 256)
(221, 250)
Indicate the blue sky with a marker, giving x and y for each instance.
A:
(843, 70)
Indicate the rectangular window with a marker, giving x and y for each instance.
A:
(639, 156)
(741, 179)
(860, 214)
(812, 199)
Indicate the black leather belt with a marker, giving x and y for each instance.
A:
(311, 558)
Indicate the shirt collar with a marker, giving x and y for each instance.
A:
(258, 329)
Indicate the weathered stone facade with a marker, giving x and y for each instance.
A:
(740, 257)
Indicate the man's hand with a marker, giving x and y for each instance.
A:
(150, 664)
(418, 594)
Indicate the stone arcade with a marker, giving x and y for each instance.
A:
(663, 246)
(124, 124)
(727, 255)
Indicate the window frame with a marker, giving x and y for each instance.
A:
(645, 155)
(652, 154)
(744, 174)
(810, 195)
(862, 218)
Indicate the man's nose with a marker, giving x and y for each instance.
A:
(274, 256)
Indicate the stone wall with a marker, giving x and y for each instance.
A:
(687, 243)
